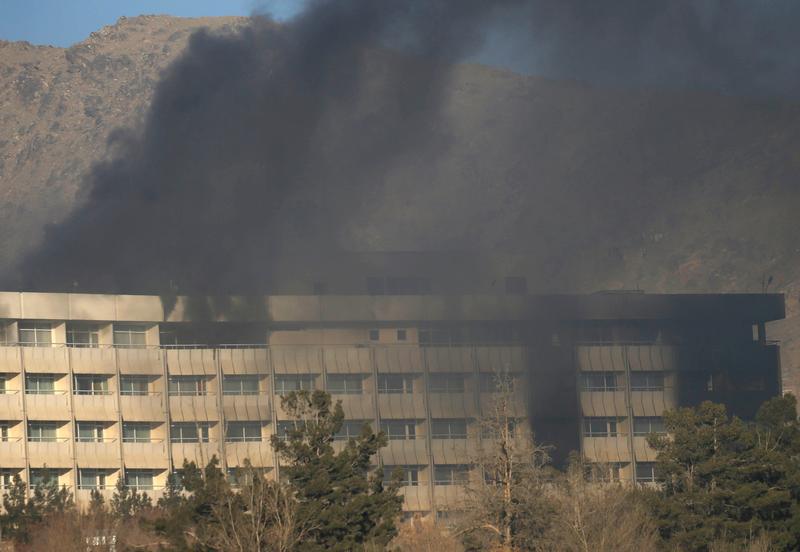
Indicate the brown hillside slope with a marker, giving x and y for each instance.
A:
(579, 188)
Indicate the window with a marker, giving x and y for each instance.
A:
(187, 385)
(42, 432)
(399, 430)
(35, 334)
(40, 384)
(396, 383)
(450, 475)
(449, 429)
(604, 472)
(243, 432)
(82, 335)
(285, 426)
(401, 335)
(345, 384)
(4, 431)
(42, 476)
(139, 479)
(496, 383)
(89, 432)
(134, 385)
(3, 381)
(599, 381)
(646, 472)
(600, 427)
(374, 335)
(409, 478)
(189, 432)
(91, 385)
(351, 429)
(136, 432)
(130, 335)
(7, 477)
(493, 429)
(447, 383)
(646, 425)
(91, 479)
(647, 381)
(286, 383)
(240, 385)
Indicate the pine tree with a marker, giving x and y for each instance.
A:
(126, 502)
(340, 497)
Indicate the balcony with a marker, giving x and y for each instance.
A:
(83, 496)
(139, 361)
(500, 359)
(142, 408)
(453, 451)
(199, 453)
(417, 498)
(95, 407)
(151, 454)
(92, 360)
(53, 454)
(357, 407)
(452, 405)
(259, 453)
(607, 449)
(185, 362)
(10, 359)
(244, 361)
(98, 454)
(47, 406)
(603, 403)
(187, 408)
(11, 405)
(403, 406)
(52, 360)
(246, 407)
(12, 453)
(407, 452)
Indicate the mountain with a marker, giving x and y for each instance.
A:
(578, 187)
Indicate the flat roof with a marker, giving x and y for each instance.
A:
(734, 307)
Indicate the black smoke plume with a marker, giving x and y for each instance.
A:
(263, 141)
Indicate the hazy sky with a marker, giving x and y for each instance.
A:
(65, 22)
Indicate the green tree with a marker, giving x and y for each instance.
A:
(127, 502)
(725, 480)
(341, 500)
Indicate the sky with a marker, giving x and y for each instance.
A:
(65, 22)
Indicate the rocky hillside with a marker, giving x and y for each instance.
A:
(579, 188)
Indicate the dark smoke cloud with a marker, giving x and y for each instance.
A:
(262, 141)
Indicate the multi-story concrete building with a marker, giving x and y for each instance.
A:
(100, 387)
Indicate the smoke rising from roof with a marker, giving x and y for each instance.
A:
(262, 141)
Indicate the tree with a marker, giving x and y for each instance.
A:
(339, 497)
(126, 502)
(726, 480)
(22, 513)
(508, 508)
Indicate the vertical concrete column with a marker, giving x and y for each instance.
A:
(223, 458)
(73, 423)
(428, 428)
(273, 411)
(629, 411)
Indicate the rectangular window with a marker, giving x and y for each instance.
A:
(409, 478)
(396, 383)
(240, 385)
(42, 476)
(286, 383)
(91, 479)
(647, 381)
(3, 382)
(91, 385)
(35, 334)
(496, 383)
(599, 381)
(449, 429)
(89, 432)
(40, 384)
(136, 432)
(600, 427)
(4, 426)
(285, 426)
(243, 432)
(401, 335)
(447, 383)
(399, 430)
(7, 477)
(643, 426)
(374, 335)
(141, 480)
(42, 432)
(83, 335)
(130, 335)
(187, 385)
(646, 472)
(189, 432)
(450, 475)
(134, 385)
(495, 428)
(345, 384)
(351, 429)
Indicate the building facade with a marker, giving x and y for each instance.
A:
(100, 387)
